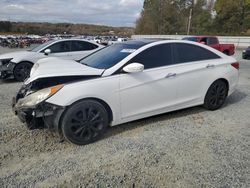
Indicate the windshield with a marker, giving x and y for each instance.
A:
(109, 56)
(194, 39)
(38, 48)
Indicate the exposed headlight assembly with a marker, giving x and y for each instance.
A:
(37, 97)
(5, 61)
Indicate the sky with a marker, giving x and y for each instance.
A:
(100, 12)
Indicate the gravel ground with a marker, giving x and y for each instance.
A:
(187, 148)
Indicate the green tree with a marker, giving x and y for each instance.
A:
(233, 17)
(5, 26)
(171, 17)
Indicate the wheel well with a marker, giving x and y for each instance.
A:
(23, 62)
(106, 106)
(58, 123)
(224, 80)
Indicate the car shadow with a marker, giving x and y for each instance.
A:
(8, 81)
(236, 97)
(149, 120)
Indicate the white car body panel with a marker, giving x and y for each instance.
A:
(138, 95)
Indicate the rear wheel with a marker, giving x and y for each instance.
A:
(226, 52)
(84, 122)
(22, 71)
(216, 95)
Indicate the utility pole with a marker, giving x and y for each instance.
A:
(190, 17)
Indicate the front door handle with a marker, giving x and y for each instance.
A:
(170, 75)
(210, 66)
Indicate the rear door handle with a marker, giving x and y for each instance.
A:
(170, 75)
(210, 66)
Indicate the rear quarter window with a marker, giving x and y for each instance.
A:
(184, 53)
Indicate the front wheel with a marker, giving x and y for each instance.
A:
(84, 122)
(216, 95)
(22, 71)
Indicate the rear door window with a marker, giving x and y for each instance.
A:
(184, 53)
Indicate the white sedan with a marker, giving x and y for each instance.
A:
(122, 83)
(19, 64)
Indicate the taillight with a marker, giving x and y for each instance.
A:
(236, 65)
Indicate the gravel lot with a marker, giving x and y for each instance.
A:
(187, 148)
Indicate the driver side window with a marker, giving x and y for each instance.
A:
(156, 56)
(60, 47)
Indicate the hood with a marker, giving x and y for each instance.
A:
(18, 55)
(56, 67)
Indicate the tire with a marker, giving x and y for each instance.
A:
(84, 122)
(226, 52)
(22, 71)
(216, 95)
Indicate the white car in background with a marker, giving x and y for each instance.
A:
(121, 83)
(118, 40)
(19, 64)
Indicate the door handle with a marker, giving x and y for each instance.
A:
(210, 66)
(170, 75)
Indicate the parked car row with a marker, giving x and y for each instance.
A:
(246, 53)
(19, 64)
(20, 42)
(79, 98)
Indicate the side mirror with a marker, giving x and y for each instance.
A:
(47, 51)
(133, 68)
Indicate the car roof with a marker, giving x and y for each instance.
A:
(140, 42)
(202, 36)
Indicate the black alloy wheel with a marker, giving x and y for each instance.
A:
(22, 71)
(216, 95)
(84, 122)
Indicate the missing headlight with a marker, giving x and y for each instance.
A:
(5, 62)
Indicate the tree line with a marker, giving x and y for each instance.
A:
(199, 17)
(61, 28)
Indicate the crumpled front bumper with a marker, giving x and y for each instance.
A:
(6, 70)
(43, 115)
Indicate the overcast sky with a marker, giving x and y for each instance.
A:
(101, 12)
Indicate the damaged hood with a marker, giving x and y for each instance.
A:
(56, 67)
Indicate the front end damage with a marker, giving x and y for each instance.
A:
(6, 68)
(43, 114)
(39, 116)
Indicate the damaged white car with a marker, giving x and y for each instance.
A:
(19, 64)
(122, 83)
